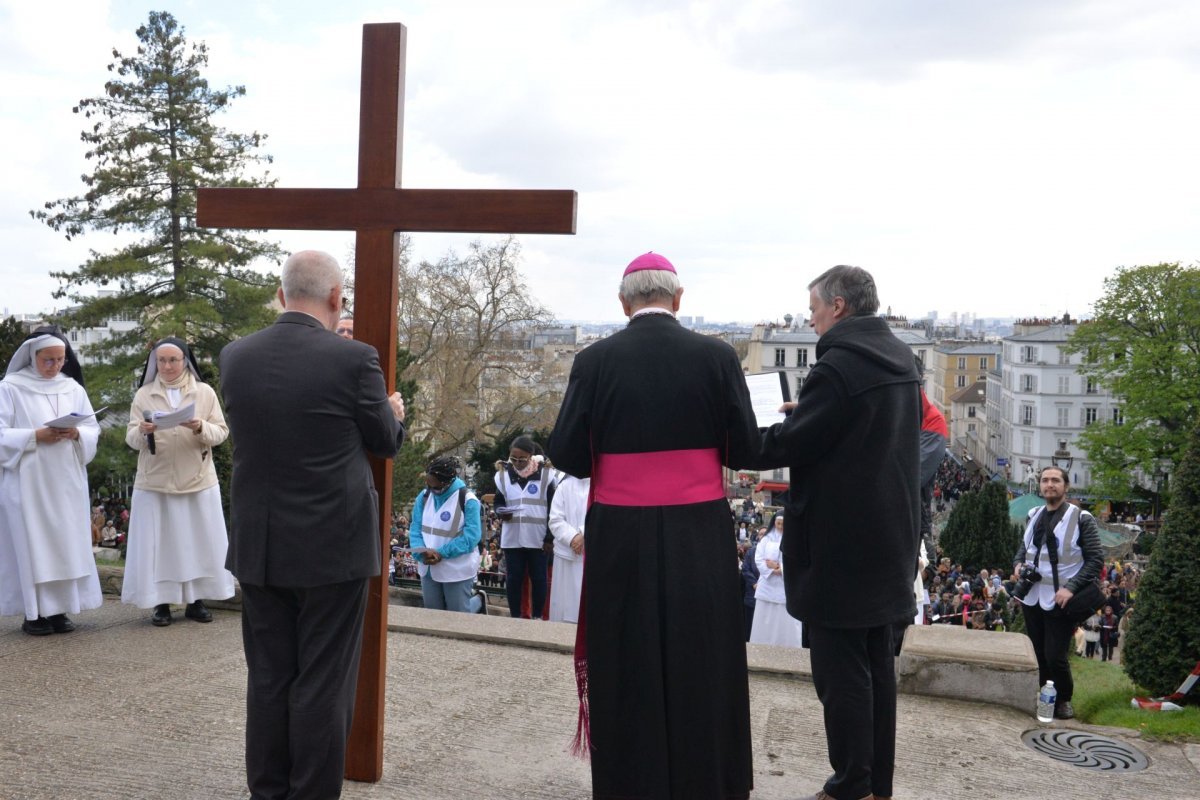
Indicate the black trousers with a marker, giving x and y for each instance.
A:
(854, 672)
(302, 651)
(522, 561)
(1052, 635)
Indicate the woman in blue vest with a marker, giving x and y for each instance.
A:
(444, 537)
(524, 489)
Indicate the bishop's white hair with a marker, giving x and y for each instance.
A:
(649, 286)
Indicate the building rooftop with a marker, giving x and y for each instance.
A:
(974, 393)
(973, 349)
(1055, 333)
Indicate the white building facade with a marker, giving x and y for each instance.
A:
(1045, 403)
(792, 349)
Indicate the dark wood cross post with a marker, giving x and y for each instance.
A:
(376, 211)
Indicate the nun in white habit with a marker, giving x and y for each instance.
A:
(772, 623)
(177, 539)
(47, 569)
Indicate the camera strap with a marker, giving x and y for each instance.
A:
(1045, 533)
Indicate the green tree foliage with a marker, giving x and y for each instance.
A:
(111, 472)
(408, 468)
(1144, 346)
(979, 534)
(152, 142)
(1163, 642)
(11, 336)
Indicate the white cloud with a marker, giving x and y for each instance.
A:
(996, 158)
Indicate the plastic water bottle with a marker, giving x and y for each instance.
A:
(1045, 702)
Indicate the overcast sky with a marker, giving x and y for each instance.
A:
(996, 158)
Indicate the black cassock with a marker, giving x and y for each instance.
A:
(651, 413)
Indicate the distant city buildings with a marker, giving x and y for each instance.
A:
(1013, 399)
(957, 365)
(83, 340)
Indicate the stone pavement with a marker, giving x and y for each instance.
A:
(121, 709)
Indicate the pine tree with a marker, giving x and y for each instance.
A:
(12, 333)
(979, 534)
(152, 141)
(1163, 642)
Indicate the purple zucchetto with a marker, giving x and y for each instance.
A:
(649, 260)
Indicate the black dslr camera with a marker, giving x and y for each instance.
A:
(1026, 578)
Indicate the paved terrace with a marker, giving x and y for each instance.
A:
(121, 709)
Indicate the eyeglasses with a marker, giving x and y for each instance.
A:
(171, 360)
(50, 362)
(341, 331)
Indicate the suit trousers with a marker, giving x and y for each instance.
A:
(302, 651)
(854, 673)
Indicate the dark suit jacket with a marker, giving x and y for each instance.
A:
(305, 407)
(749, 576)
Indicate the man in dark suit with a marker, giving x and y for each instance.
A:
(305, 407)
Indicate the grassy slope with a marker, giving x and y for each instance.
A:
(1102, 695)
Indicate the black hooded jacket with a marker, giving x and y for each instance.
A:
(852, 520)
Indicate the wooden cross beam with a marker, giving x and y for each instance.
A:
(376, 211)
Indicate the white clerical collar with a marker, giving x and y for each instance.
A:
(650, 310)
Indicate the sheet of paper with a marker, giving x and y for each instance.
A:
(169, 419)
(766, 396)
(74, 420)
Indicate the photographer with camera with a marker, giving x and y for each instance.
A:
(1060, 556)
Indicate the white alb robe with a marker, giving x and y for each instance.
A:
(772, 623)
(46, 561)
(567, 512)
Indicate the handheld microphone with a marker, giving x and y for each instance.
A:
(146, 415)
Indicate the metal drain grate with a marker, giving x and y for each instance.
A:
(1087, 750)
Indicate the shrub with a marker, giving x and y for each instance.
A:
(1163, 642)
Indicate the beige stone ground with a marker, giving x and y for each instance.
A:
(120, 709)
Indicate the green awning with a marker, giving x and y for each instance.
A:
(1019, 508)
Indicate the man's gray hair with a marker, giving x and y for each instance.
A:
(649, 286)
(310, 275)
(853, 284)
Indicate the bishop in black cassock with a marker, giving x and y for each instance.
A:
(651, 414)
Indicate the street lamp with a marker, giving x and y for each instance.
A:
(1062, 458)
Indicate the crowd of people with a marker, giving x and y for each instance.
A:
(953, 481)
(110, 521)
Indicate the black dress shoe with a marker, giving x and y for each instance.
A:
(162, 615)
(1064, 710)
(61, 623)
(37, 627)
(198, 612)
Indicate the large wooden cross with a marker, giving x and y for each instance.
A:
(376, 211)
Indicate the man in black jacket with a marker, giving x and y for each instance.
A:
(1063, 544)
(853, 516)
(305, 407)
